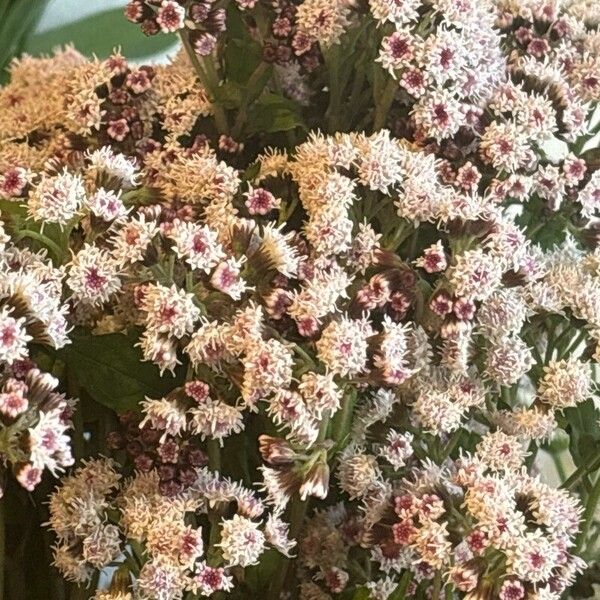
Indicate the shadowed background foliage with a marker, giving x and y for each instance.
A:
(94, 27)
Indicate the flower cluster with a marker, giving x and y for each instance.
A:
(101, 520)
(34, 415)
(342, 291)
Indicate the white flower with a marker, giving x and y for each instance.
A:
(565, 383)
(242, 542)
(106, 204)
(395, 11)
(343, 346)
(170, 16)
(197, 244)
(56, 199)
(227, 278)
(106, 162)
(164, 415)
(280, 253)
(13, 337)
(216, 420)
(169, 310)
(93, 276)
(131, 241)
(49, 445)
(277, 534)
(323, 20)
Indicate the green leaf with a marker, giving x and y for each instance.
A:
(251, 172)
(592, 156)
(99, 35)
(17, 19)
(112, 370)
(242, 53)
(544, 227)
(10, 207)
(229, 95)
(258, 577)
(273, 112)
(362, 593)
(584, 431)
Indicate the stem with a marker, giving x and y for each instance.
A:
(582, 471)
(452, 442)
(437, 586)
(253, 90)
(298, 510)
(574, 344)
(54, 248)
(588, 515)
(403, 585)
(551, 340)
(2, 547)
(332, 60)
(209, 83)
(384, 104)
(214, 455)
(357, 86)
(403, 231)
(559, 342)
(413, 244)
(536, 228)
(342, 421)
(323, 427)
(78, 440)
(559, 466)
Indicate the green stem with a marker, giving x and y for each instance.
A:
(54, 248)
(437, 586)
(298, 510)
(2, 547)
(323, 427)
(384, 104)
(551, 337)
(560, 469)
(209, 81)
(403, 231)
(253, 91)
(353, 102)
(580, 472)
(403, 585)
(342, 421)
(575, 342)
(214, 455)
(332, 60)
(78, 440)
(559, 342)
(412, 251)
(452, 443)
(588, 515)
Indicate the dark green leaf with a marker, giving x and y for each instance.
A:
(272, 113)
(258, 577)
(251, 172)
(241, 60)
(592, 156)
(229, 95)
(100, 34)
(12, 208)
(584, 431)
(242, 53)
(112, 371)
(17, 19)
(361, 593)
